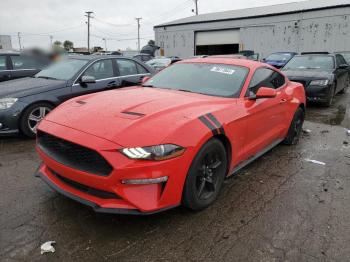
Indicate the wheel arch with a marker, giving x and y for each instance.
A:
(228, 147)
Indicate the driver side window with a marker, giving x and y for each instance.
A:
(265, 77)
(100, 70)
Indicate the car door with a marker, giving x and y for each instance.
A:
(341, 73)
(24, 66)
(130, 71)
(265, 117)
(105, 76)
(5, 73)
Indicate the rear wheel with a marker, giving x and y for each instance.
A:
(206, 175)
(295, 128)
(330, 96)
(32, 116)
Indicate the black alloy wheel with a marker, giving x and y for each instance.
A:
(206, 176)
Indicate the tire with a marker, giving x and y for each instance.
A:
(295, 128)
(206, 175)
(32, 116)
(330, 97)
(347, 84)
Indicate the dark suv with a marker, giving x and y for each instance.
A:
(323, 75)
(16, 65)
(24, 102)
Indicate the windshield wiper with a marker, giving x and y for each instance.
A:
(46, 77)
(147, 85)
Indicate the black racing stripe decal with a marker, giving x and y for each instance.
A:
(206, 122)
(216, 122)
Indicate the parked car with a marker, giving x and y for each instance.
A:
(279, 59)
(15, 65)
(249, 54)
(159, 63)
(25, 102)
(172, 141)
(143, 57)
(323, 75)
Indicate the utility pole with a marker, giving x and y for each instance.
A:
(88, 15)
(51, 37)
(196, 3)
(138, 32)
(19, 40)
(104, 39)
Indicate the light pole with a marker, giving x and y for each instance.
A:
(104, 39)
(138, 32)
(19, 40)
(88, 15)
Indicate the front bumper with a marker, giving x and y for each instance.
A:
(128, 198)
(317, 93)
(9, 119)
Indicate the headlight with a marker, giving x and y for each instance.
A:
(319, 82)
(6, 103)
(158, 152)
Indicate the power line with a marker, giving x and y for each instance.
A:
(111, 24)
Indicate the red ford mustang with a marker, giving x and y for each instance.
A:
(172, 141)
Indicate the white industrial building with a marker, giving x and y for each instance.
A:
(5, 42)
(315, 25)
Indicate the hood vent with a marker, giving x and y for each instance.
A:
(133, 113)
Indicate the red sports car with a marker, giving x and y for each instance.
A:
(171, 141)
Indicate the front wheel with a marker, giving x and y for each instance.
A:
(295, 128)
(330, 96)
(206, 175)
(32, 116)
(347, 84)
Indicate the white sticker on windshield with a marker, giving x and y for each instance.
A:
(222, 70)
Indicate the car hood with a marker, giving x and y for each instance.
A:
(134, 116)
(307, 74)
(28, 86)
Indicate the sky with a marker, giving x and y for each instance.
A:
(114, 20)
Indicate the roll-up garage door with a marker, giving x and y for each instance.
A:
(217, 42)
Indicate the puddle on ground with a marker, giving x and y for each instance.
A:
(336, 115)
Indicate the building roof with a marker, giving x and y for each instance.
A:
(294, 7)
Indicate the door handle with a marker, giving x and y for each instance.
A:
(112, 84)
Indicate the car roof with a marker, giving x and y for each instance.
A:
(9, 52)
(226, 61)
(96, 57)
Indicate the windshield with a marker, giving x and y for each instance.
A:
(62, 70)
(209, 79)
(279, 57)
(310, 62)
(163, 62)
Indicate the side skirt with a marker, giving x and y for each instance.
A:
(253, 158)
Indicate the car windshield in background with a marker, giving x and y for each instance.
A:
(163, 62)
(310, 62)
(279, 57)
(62, 70)
(209, 79)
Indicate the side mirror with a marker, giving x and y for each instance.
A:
(145, 79)
(343, 66)
(263, 60)
(87, 80)
(265, 92)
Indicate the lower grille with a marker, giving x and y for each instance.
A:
(86, 189)
(73, 155)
